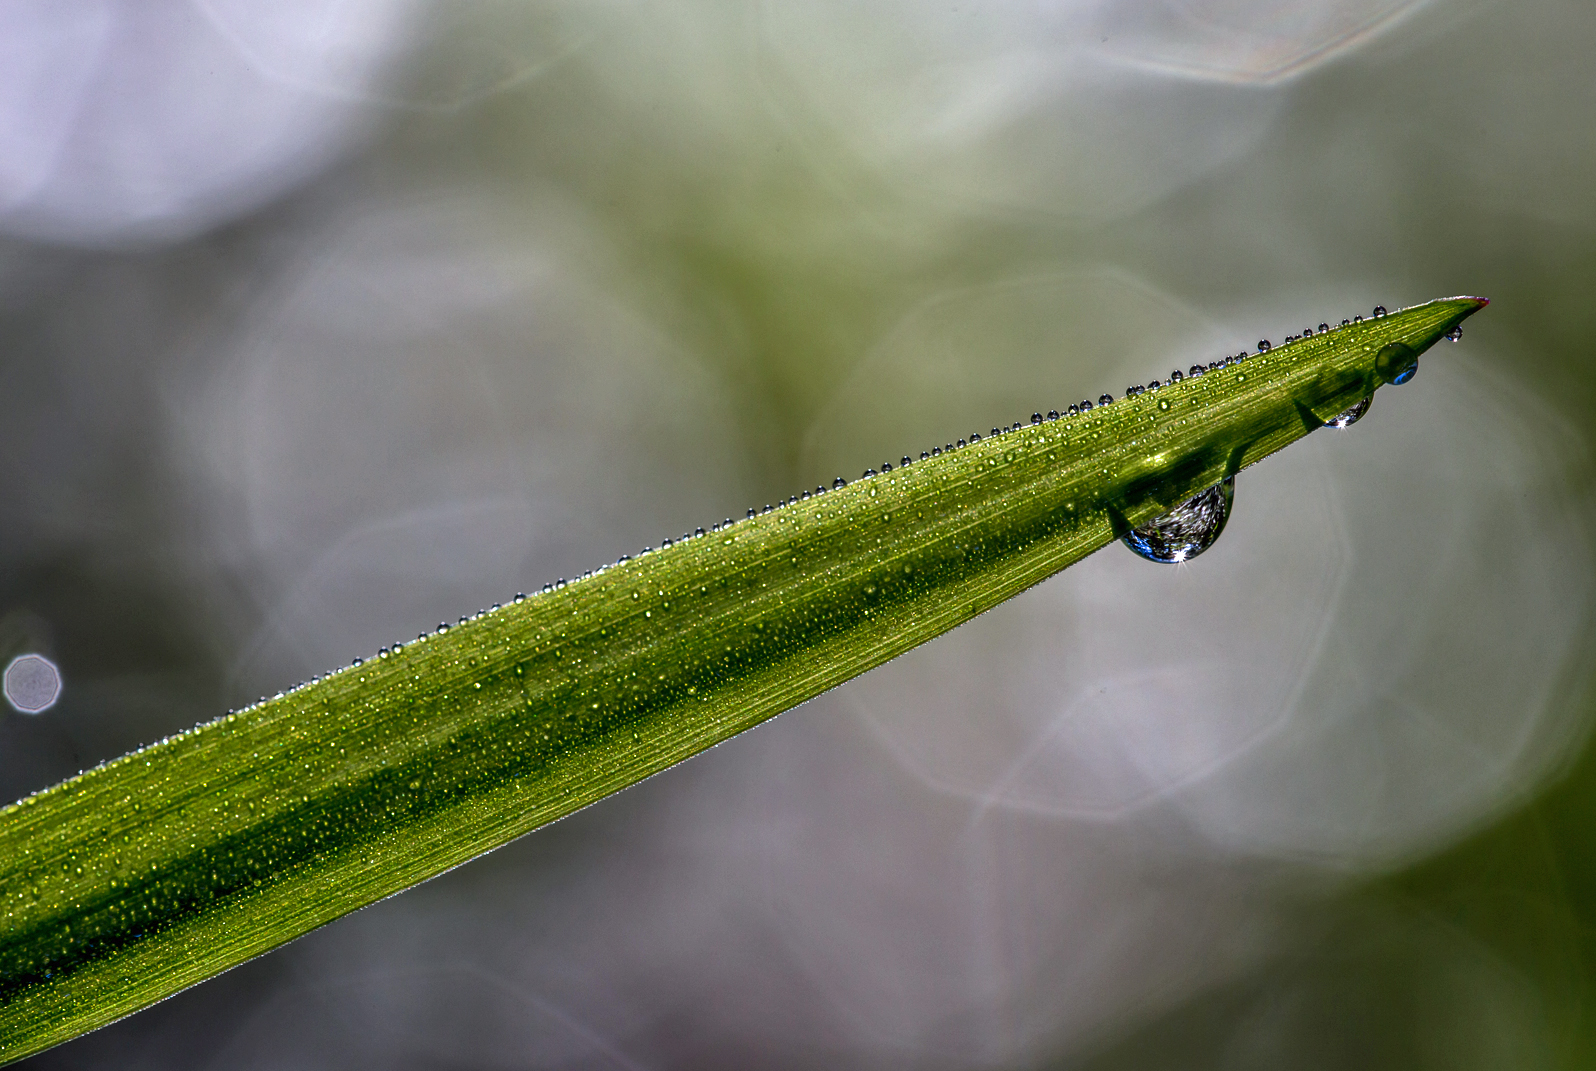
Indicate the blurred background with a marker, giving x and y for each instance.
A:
(322, 323)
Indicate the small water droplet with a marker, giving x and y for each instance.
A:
(1357, 319)
(839, 482)
(1396, 363)
(1379, 311)
(1454, 334)
(1307, 332)
(1176, 376)
(1188, 529)
(1264, 345)
(1074, 410)
(1350, 415)
(960, 446)
(356, 662)
(443, 626)
(906, 460)
(1196, 370)
(1036, 418)
(699, 531)
(869, 472)
(924, 455)
(1345, 323)
(1323, 328)
(1052, 414)
(462, 620)
(1163, 403)
(1154, 385)
(936, 451)
(1104, 399)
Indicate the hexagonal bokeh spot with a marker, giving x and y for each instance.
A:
(32, 683)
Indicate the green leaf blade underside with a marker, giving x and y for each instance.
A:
(141, 877)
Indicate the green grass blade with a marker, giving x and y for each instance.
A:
(169, 865)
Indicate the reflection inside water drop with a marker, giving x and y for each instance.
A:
(1350, 415)
(1396, 363)
(1188, 529)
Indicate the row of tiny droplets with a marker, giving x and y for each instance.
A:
(1085, 406)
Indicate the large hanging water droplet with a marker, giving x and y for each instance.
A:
(1350, 415)
(1454, 334)
(1188, 529)
(1396, 363)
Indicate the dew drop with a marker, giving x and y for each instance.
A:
(1379, 311)
(1104, 399)
(1188, 529)
(1176, 376)
(907, 460)
(1323, 328)
(1074, 410)
(961, 444)
(868, 473)
(1357, 319)
(839, 482)
(1350, 415)
(1154, 385)
(1454, 334)
(1036, 418)
(1196, 370)
(925, 455)
(1052, 414)
(1346, 323)
(1396, 363)
(1264, 345)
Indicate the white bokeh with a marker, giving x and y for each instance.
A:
(32, 683)
(1245, 41)
(133, 122)
(997, 107)
(440, 406)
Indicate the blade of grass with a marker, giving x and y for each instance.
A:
(153, 872)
